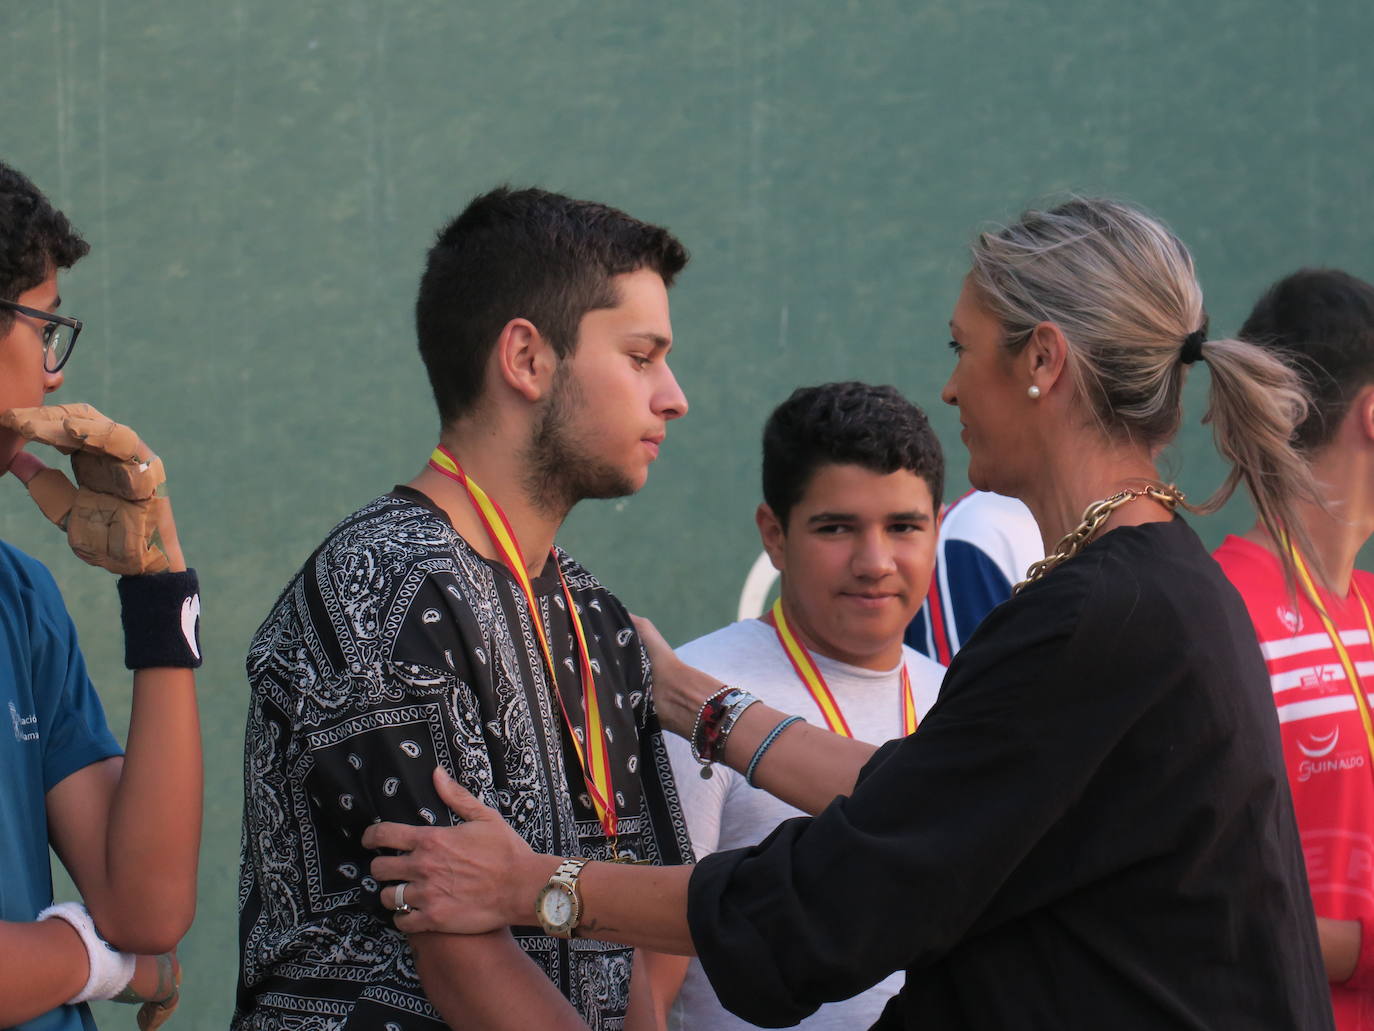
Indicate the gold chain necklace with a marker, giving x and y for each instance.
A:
(1093, 517)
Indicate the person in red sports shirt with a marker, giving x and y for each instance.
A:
(1321, 661)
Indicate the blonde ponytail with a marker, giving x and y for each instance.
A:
(1255, 406)
(1123, 290)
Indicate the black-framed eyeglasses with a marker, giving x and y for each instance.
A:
(59, 333)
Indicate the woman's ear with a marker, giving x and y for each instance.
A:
(1045, 357)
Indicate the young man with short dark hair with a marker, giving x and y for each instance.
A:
(852, 479)
(1321, 657)
(125, 824)
(426, 629)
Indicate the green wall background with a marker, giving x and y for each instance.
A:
(260, 179)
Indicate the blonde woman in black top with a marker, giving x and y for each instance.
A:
(1091, 829)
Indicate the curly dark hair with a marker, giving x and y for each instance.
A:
(1320, 322)
(524, 254)
(35, 238)
(851, 424)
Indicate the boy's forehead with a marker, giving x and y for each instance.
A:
(847, 486)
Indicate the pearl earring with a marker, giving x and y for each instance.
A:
(1033, 393)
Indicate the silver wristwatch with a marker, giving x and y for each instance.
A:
(558, 906)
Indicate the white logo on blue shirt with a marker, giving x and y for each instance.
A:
(20, 722)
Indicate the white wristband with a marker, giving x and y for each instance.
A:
(111, 970)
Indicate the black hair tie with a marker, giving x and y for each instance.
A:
(1192, 346)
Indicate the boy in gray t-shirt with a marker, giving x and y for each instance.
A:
(852, 478)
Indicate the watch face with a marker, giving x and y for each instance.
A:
(556, 907)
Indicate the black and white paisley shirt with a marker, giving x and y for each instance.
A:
(397, 647)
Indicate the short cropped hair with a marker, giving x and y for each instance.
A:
(1321, 322)
(524, 254)
(845, 424)
(35, 238)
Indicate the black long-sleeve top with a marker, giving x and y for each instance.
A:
(1091, 829)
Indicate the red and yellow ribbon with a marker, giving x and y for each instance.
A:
(1352, 674)
(592, 756)
(810, 676)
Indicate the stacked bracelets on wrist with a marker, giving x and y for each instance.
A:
(715, 719)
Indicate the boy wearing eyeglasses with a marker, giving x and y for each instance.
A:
(124, 822)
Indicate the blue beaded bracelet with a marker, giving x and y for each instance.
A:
(766, 744)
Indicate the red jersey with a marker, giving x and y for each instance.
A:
(1325, 747)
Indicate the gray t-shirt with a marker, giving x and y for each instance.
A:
(724, 812)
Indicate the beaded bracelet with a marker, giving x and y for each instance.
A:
(766, 744)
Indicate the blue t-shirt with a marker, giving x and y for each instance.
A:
(54, 726)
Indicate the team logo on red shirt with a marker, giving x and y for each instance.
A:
(1323, 679)
(1291, 618)
(1322, 744)
(1321, 755)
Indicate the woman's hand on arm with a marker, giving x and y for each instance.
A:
(480, 876)
(471, 878)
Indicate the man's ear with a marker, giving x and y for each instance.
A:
(524, 359)
(1045, 357)
(773, 535)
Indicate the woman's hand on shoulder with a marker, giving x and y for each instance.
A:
(679, 689)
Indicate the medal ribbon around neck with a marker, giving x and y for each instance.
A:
(1352, 675)
(593, 756)
(810, 676)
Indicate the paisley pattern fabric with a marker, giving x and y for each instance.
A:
(396, 648)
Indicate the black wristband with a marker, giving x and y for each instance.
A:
(161, 616)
